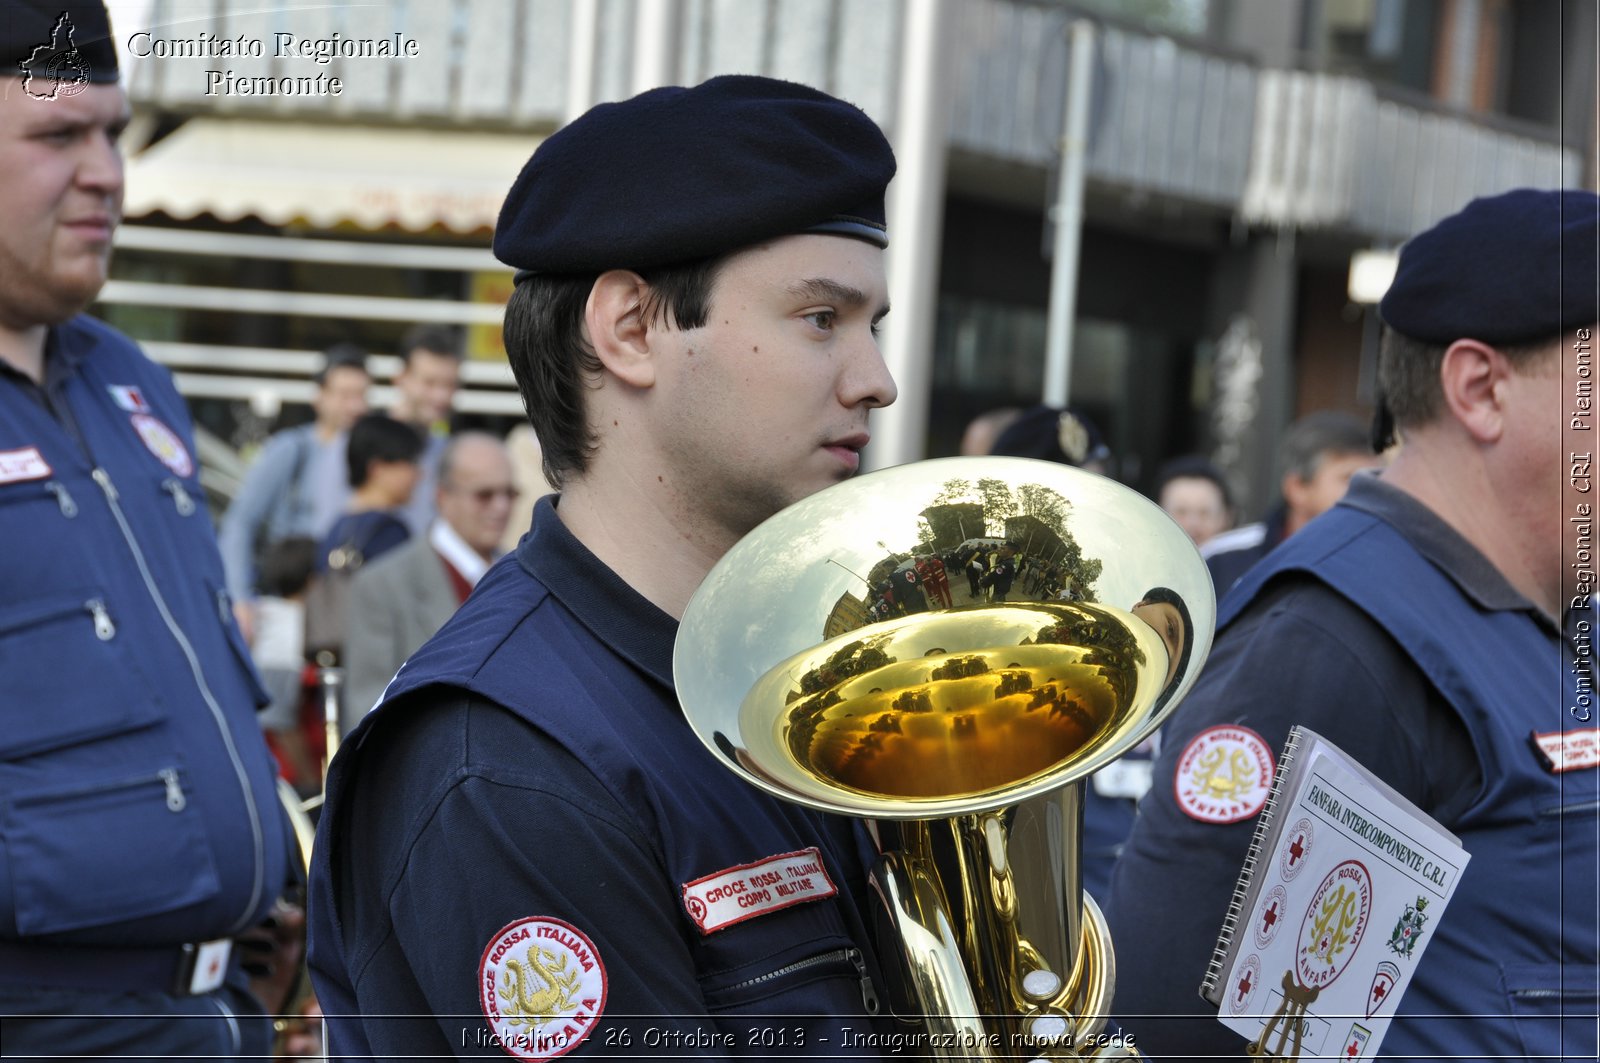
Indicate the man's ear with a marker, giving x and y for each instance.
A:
(618, 332)
(1294, 490)
(1472, 376)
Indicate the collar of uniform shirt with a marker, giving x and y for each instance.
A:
(1441, 544)
(61, 362)
(633, 626)
(454, 549)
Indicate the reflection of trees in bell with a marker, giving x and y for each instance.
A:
(916, 700)
(1033, 516)
(851, 659)
(1081, 572)
(998, 501)
(1109, 642)
(1048, 694)
(1073, 710)
(951, 492)
(950, 525)
(1044, 505)
(1012, 683)
(960, 668)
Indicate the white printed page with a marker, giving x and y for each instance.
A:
(1351, 894)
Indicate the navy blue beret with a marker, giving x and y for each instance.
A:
(679, 174)
(58, 42)
(1514, 268)
(1053, 434)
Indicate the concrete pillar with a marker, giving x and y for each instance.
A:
(1254, 291)
(916, 218)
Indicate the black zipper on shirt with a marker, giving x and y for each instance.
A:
(869, 992)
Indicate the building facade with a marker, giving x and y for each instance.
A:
(1236, 154)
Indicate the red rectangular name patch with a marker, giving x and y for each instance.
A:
(1569, 750)
(744, 892)
(24, 464)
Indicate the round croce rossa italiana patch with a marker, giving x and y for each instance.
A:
(542, 988)
(164, 443)
(1334, 922)
(1224, 775)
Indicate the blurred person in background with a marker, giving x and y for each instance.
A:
(398, 602)
(298, 484)
(981, 432)
(1320, 453)
(142, 839)
(1194, 492)
(527, 469)
(1051, 434)
(384, 464)
(279, 651)
(425, 395)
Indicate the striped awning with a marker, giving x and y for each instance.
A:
(326, 175)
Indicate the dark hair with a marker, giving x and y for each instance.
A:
(553, 363)
(1317, 435)
(379, 437)
(1408, 374)
(1168, 596)
(341, 356)
(1193, 467)
(1066, 436)
(286, 567)
(440, 339)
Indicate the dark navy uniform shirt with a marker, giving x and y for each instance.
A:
(139, 804)
(530, 770)
(1303, 652)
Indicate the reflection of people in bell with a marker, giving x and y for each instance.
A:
(1000, 577)
(1163, 609)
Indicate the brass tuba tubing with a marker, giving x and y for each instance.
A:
(963, 729)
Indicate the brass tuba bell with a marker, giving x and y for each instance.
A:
(961, 726)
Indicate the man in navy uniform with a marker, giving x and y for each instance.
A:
(1418, 625)
(141, 832)
(525, 848)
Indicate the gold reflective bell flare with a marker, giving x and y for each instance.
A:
(964, 704)
(949, 649)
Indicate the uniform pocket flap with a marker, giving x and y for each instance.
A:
(69, 679)
(1553, 1006)
(102, 852)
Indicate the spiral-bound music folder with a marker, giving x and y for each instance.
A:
(1342, 888)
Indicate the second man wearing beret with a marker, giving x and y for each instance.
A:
(1421, 625)
(525, 847)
